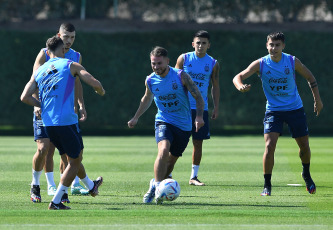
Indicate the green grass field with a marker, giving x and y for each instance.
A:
(231, 168)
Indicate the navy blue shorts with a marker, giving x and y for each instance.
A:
(296, 120)
(39, 129)
(177, 137)
(67, 139)
(203, 133)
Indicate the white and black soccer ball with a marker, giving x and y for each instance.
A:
(168, 189)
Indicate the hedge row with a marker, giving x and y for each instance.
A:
(121, 62)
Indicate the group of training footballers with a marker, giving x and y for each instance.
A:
(181, 97)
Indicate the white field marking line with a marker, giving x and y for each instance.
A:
(163, 225)
(296, 185)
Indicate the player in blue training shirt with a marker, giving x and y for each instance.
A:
(44, 146)
(55, 80)
(284, 105)
(203, 69)
(169, 88)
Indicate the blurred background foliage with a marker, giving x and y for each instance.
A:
(171, 10)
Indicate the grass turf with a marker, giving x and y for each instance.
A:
(231, 167)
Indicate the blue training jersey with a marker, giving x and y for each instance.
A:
(70, 54)
(200, 70)
(56, 92)
(171, 99)
(279, 83)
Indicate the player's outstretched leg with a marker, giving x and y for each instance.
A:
(149, 196)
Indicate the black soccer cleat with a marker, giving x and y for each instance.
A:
(35, 194)
(310, 185)
(60, 206)
(267, 191)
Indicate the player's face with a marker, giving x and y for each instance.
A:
(200, 46)
(67, 37)
(275, 48)
(159, 64)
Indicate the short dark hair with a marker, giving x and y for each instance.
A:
(67, 26)
(159, 52)
(53, 43)
(202, 34)
(276, 36)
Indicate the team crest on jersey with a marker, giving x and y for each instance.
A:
(207, 68)
(286, 70)
(174, 85)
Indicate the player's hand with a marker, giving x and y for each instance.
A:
(82, 114)
(38, 112)
(244, 88)
(199, 122)
(100, 92)
(318, 106)
(132, 122)
(215, 114)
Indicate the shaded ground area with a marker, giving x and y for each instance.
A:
(118, 25)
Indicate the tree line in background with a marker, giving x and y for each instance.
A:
(229, 11)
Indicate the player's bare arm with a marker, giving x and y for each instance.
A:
(306, 73)
(253, 68)
(29, 89)
(180, 62)
(40, 60)
(194, 91)
(145, 103)
(77, 69)
(215, 92)
(80, 100)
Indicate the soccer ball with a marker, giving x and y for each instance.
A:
(168, 189)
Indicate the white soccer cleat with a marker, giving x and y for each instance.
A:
(51, 190)
(149, 196)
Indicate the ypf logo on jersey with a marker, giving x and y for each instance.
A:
(207, 67)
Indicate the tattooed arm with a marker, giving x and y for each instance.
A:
(193, 89)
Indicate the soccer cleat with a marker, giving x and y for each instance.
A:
(51, 190)
(60, 206)
(78, 189)
(64, 198)
(149, 196)
(195, 181)
(266, 192)
(35, 194)
(310, 185)
(98, 182)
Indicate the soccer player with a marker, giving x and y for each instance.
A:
(284, 105)
(44, 146)
(203, 69)
(55, 80)
(173, 124)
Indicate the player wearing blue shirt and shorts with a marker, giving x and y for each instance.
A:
(203, 69)
(55, 81)
(44, 146)
(284, 105)
(169, 88)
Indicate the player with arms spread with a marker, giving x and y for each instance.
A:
(173, 124)
(284, 105)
